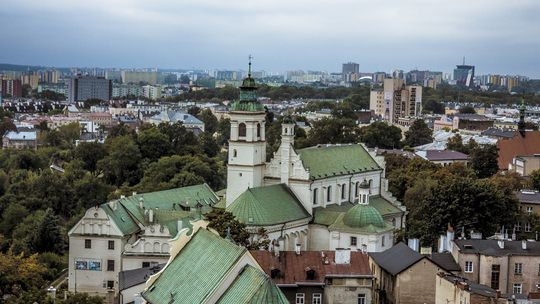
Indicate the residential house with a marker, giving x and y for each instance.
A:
(529, 203)
(471, 122)
(404, 276)
(132, 282)
(451, 289)
(524, 165)
(523, 143)
(170, 116)
(509, 266)
(205, 268)
(341, 276)
(20, 140)
(130, 233)
(443, 157)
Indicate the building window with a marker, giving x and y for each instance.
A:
(242, 130)
(517, 288)
(87, 244)
(518, 268)
(361, 298)
(329, 194)
(234, 153)
(110, 284)
(356, 189)
(518, 226)
(468, 266)
(527, 227)
(258, 130)
(317, 298)
(145, 264)
(110, 265)
(529, 210)
(343, 191)
(111, 245)
(315, 192)
(353, 241)
(495, 274)
(300, 298)
(382, 240)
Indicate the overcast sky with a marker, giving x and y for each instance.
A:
(498, 36)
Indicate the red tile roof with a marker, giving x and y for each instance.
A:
(518, 145)
(293, 267)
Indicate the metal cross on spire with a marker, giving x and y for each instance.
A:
(249, 69)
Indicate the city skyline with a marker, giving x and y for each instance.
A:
(497, 37)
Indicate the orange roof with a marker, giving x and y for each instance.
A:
(517, 145)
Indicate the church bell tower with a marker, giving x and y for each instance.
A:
(247, 145)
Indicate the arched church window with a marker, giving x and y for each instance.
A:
(329, 194)
(356, 189)
(258, 130)
(234, 153)
(370, 181)
(315, 193)
(343, 191)
(242, 129)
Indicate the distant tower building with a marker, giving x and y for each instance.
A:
(11, 87)
(396, 100)
(350, 71)
(464, 74)
(81, 88)
(247, 146)
(397, 74)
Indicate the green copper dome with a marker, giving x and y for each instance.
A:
(248, 96)
(363, 215)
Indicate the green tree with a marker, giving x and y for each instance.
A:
(48, 236)
(455, 143)
(226, 224)
(83, 298)
(418, 134)
(7, 125)
(333, 131)
(484, 160)
(182, 140)
(154, 144)
(90, 153)
(224, 131)
(20, 274)
(344, 110)
(534, 180)
(11, 217)
(382, 135)
(210, 121)
(121, 129)
(121, 165)
(209, 145)
(433, 106)
(467, 110)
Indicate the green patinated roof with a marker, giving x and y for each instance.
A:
(340, 225)
(330, 214)
(268, 205)
(171, 200)
(121, 218)
(327, 161)
(383, 206)
(363, 215)
(196, 271)
(247, 106)
(166, 205)
(253, 286)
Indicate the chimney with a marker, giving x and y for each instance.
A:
(501, 244)
(122, 196)
(141, 203)
(276, 249)
(414, 244)
(297, 249)
(179, 225)
(274, 273)
(134, 193)
(524, 245)
(343, 256)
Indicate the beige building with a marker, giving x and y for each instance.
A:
(524, 165)
(508, 266)
(404, 276)
(137, 77)
(451, 289)
(396, 100)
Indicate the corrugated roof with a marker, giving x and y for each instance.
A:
(292, 267)
(196, 271)
(528, 196)
(253, 286)
(332, 160)
(24, 135)
(396, 259)
(268, 205)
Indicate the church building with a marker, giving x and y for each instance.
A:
(318, 198)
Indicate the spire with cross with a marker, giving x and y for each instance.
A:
(249, 68)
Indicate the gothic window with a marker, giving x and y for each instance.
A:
(315, 192)
(356, 189)
(235, 153)
(343, 191)
(258, 130)
(242, 130)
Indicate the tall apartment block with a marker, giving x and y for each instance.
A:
(11, 87)
(396, 100)
(81, 88)
(350, 71)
